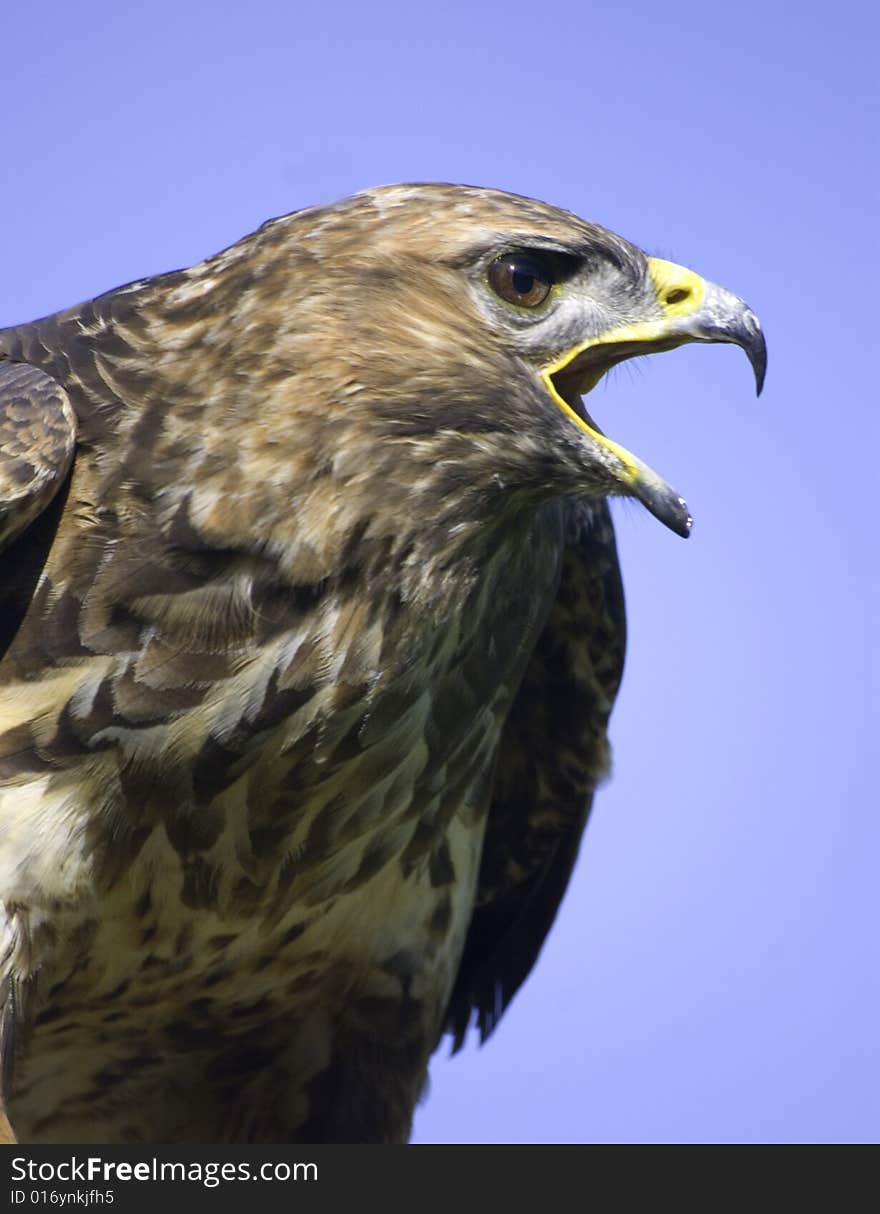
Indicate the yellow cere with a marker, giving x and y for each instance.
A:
(679, 291)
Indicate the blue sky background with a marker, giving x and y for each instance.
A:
(713, 973)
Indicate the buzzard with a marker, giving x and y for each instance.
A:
(312, 623)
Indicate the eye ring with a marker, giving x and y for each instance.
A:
(523, 279)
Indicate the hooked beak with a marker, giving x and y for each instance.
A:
(687, 309)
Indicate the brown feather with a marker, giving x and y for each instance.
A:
(314, 614)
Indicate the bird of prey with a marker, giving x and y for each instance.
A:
(312, 623)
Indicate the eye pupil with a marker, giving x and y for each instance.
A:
(523, 279)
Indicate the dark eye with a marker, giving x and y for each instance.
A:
(524, 279)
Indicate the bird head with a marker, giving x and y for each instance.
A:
(409, 365)
(481, 314)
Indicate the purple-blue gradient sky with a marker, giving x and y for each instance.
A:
(713, 972)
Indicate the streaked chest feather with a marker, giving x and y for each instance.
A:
(275, 855)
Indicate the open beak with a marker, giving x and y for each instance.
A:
(687, 309)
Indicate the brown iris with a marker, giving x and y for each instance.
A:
(523, 279)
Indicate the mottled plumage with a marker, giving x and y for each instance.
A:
(310, 649)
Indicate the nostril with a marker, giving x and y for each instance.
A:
(678, 296)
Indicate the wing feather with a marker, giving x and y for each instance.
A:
(37, 442)
(553, 754)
